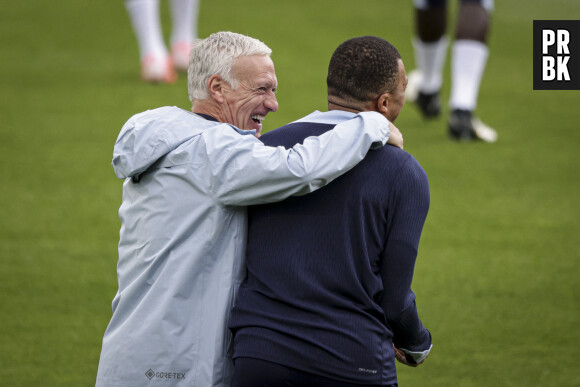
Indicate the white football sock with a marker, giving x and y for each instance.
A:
(468, 59)
(430, 58)
(144, 15)
(184, 15)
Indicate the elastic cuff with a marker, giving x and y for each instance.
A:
(418, 356)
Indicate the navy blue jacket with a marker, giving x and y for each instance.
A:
(328, 287)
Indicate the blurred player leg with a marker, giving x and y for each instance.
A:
(184, 14)
(430, 47)
(468, 59)
(156, 63)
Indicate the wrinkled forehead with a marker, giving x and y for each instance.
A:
(254, 67)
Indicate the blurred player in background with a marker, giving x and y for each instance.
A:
(468, 59)
(158, 64)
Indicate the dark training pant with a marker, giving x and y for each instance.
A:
(250, 372)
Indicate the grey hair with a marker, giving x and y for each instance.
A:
(217, 54)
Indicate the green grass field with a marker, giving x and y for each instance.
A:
(496, 278)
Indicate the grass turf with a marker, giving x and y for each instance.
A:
(496, 275)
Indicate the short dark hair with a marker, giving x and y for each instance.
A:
(363, 68)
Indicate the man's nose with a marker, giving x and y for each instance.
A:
(271, 102)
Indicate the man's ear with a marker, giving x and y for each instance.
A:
(215, 88)
(383, 102)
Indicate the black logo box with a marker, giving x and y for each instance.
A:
(573, 64)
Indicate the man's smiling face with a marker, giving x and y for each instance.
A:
(247, 105)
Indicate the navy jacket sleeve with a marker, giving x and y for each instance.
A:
(409, 207)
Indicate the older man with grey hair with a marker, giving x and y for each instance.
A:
(188, 176)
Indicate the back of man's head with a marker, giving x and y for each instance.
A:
(362, 68)
(217, 54)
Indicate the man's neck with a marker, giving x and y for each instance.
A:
(335, 103)
(335, 106)
(206, 109)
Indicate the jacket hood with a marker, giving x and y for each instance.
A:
(150, 135)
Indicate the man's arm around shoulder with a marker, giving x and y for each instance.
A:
(248, 172)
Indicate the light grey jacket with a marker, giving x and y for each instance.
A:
(183, 235)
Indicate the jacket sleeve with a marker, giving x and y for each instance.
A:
(410, 204)
(243, 171)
